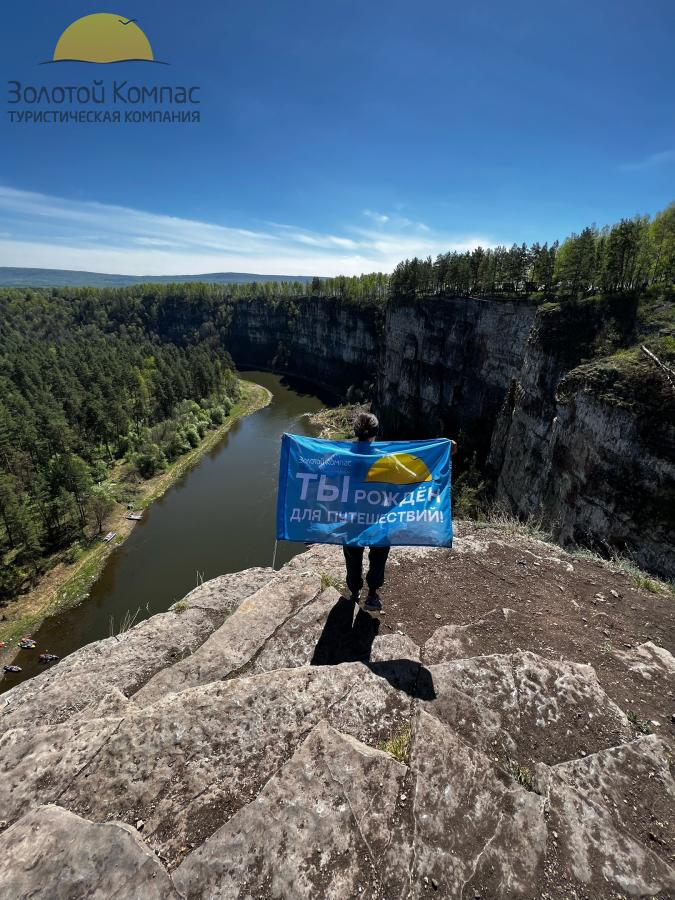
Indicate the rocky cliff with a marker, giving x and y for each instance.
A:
(501, 732)
(589, 446)
(517, 386)
(329, 341)
(447, 365)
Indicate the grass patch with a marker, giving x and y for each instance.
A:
(398, 746)
(129, 619)
(337, 424)
(646, 582)
(625, 565)
(502, 519)
(328, 581)
(642, 725)
(521, 774)
(12, 631)
(72, 591)
(180, 607)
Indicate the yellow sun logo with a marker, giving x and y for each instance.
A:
(399, 468)
(103, 38)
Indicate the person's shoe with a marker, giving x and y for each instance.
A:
(373, 603)
(355, 598)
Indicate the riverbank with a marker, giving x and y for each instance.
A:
(66, 585)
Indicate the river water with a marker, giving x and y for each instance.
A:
(219, 517)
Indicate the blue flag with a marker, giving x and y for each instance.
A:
(365, 494)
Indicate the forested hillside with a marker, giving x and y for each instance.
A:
(24, 277)
(88, 379)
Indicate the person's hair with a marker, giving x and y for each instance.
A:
(366, 426)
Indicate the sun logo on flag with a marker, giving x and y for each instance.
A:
(103, 38)
(399, 468)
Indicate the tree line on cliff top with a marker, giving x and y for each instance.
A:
(631, 255)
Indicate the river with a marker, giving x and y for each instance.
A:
(219, 517)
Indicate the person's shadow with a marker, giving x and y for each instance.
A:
(349, 638)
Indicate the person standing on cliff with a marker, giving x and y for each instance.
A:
(366, 426)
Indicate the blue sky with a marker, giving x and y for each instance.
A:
(341, 137)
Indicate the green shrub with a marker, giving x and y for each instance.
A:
(192, 436)
(150, 461)
(74, 553)
(398, 746)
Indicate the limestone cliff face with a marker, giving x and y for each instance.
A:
(589, 448)
(324, 340)
(448, 364)
(512, 382)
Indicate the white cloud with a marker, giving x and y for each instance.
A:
(396, 221)
(154, 242)
(650, 162)
(380, 218)
(52, 232)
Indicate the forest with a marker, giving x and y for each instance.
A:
(93, 378)
(86, 382)
(631, 255)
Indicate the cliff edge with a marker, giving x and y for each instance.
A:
(504, 730)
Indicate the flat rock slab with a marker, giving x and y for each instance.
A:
(51, 853)
(239, 639)
(472, 827)
(320, 827)
(329, 631)
(522, 707)
(649, 661)
(38, 764)
(89, 676)
(191, 761)
(489, 634)
(610, 823)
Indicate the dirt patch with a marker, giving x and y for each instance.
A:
(517, 594)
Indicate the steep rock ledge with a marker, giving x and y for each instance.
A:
(589, 447)
(511, 381)
(333, 343)
(447, 366)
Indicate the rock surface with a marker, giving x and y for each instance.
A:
(266, 739)
(54, 854)
(238, 640)
(322, 797)
(89, 683)
(593, 466)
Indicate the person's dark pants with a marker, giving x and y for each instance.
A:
(377, 558)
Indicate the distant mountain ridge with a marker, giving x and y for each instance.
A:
(20, 277)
